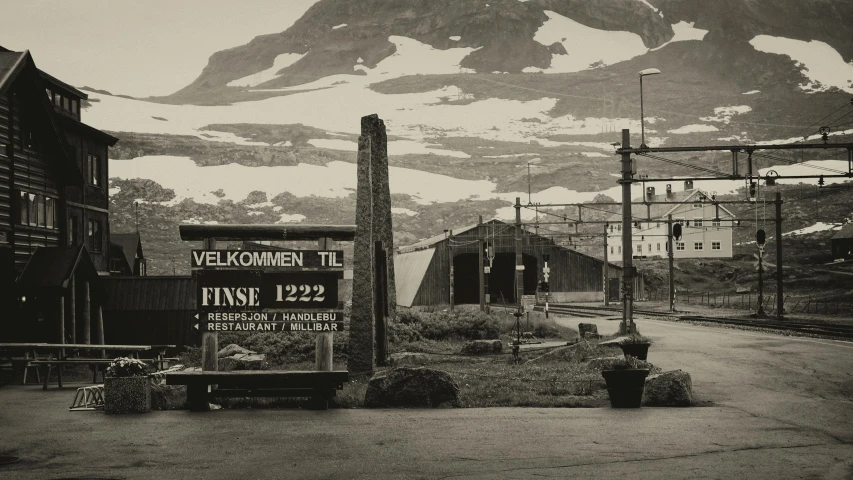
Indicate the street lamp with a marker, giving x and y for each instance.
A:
(643, 73)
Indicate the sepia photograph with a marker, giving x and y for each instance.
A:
(426, 239)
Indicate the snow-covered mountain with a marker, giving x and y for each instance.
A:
(472, 92)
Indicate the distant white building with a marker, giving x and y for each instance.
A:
(706, 227)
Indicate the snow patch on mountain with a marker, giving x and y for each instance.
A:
(339, 26)
(281, 61)
(455, 38)
(395, 147)
(725, 114)
(751, 92)
(817, 227)
(585, 46)
(821, 64)
(684, 31)
(694, 128)
(404, 211)
(290, 218)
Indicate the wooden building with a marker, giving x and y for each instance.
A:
(54, 217)
(423, 270)
(842, 243)
(126, 255)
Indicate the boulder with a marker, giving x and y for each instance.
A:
(668, 389)
(411, 387)
(482, 347)
(168, 397)
(584, 328)
(233, 349)
(254, 361)
(408, 358)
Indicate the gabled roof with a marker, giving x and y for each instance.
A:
(130, 243)
(89, 131)
(20, 66)
(51, 268)
(435, 239)
(845, 232)
(641, 211)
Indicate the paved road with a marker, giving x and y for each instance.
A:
(782, 410)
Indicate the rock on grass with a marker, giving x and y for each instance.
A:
(411, 387)
(482, 347)
(668, 389)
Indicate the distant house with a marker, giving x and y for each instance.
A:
(706, 227)
(126, 256)
(842, 243)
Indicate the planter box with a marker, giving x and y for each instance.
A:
(127, 395)
(639, 350)
(625, 387)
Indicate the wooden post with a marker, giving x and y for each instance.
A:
(209, 340)
(100, 324)
(606, 272)
(87, 314)
(480, 265)
(72, 306)
(324, 350)
(450, 265)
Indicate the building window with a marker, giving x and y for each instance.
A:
(611, 249)
(659, 247)
(697, 246)
(716, 223)
(620, 249)
(73, 229)
(650, 248)
(697, 205)
(74, 107)
(50, 212)
(41, 211)
(49, 93)
(715, 246)
(94, 169)
(25, 208)
(65, 104)
(95, 236)
(37, 210)
(697, 222)
(666, 247)
(679, 245)
(57, 99)
(639, 248)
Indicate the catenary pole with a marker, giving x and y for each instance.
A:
(780, 299)
(627, 264)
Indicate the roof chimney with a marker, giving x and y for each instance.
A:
(650, 193)
(688, 184)
(668, 191)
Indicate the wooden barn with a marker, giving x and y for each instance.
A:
(842, 243)
(423, 270)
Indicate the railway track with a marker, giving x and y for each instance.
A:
(809, 328)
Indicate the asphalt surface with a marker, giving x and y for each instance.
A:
(782, 408)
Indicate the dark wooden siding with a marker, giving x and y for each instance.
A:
(30, 174)
(5, 170)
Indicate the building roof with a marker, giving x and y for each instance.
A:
(51, 79)
(435, 239)
(130, 244)
(51, 268)
(20, 65)
(409, 272)
(88, 130)
(642, 211)
(845, 232)
(150, 293)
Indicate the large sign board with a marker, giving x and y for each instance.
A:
(268, 291)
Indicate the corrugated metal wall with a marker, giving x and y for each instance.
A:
(570, 271)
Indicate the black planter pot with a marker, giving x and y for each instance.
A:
(625, 387)
(639, 350)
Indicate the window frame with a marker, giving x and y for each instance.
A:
(698, 246)
(698, 222)
(719, 245)
(93, 168)
(680, 246)
(95, 236)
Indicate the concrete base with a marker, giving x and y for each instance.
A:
(569, 297)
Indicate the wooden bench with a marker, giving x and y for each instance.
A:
(46, 365)
(320, 386)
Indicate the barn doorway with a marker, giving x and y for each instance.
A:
(466, 281)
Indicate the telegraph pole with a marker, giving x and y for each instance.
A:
(519, 278)
(627, 263)
(481, 266)
(780, 299)
(759, 240)
(670, 255)
(606, 270)
(450, 262)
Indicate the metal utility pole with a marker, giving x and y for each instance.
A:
(519, 278)
(606, 270)
(627, 263)
(780, 299)
(481, 266)
(670, 255)
(450, 264)
(759, 241)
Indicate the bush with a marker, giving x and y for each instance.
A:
(460, 324)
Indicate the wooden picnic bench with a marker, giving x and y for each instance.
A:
(61, 354)
(319, 386)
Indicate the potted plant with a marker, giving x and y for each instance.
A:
(126, 387)
(636, 346)
(625, 382)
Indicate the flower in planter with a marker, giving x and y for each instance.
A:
(629, 362)
(124, 367)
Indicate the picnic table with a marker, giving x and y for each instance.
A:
(20, 354)
(61, 354)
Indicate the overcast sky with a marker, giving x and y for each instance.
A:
(139, 47)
